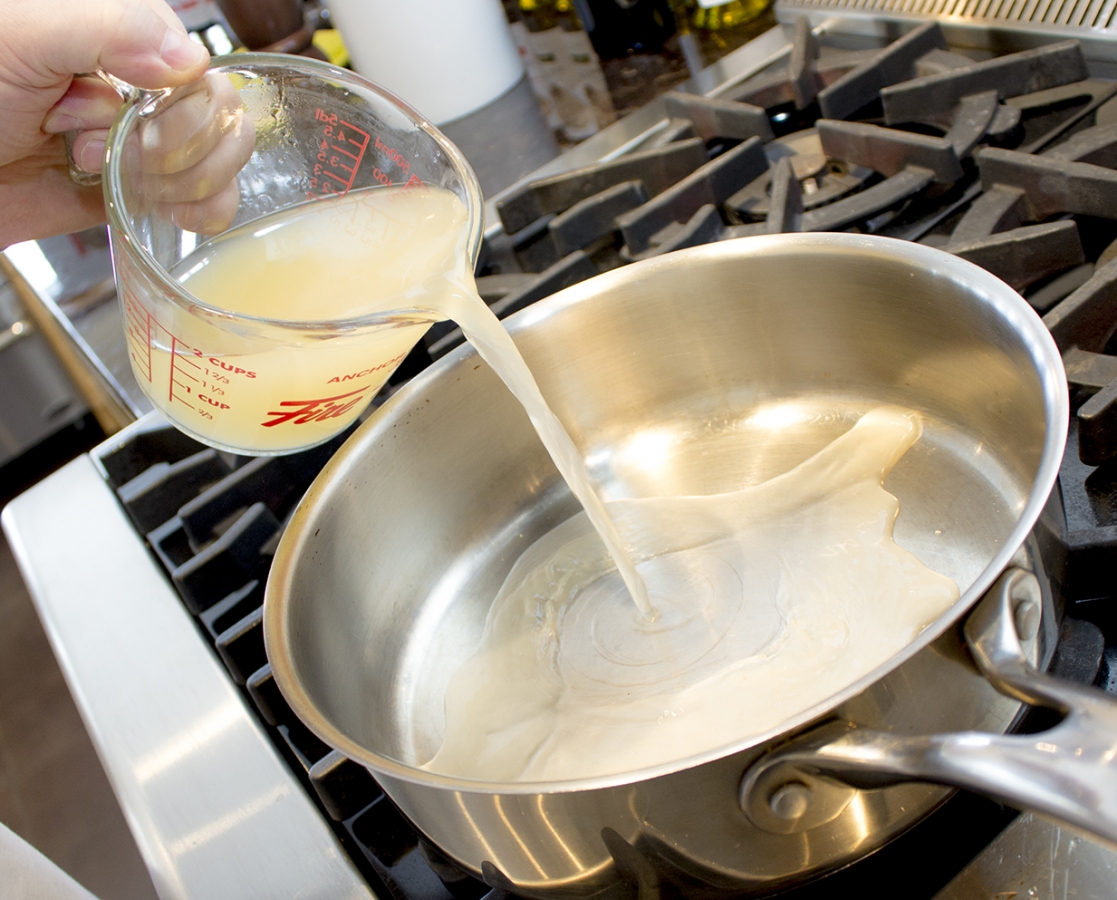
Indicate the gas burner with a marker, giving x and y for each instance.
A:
(776, 90)
(821, 181)
(868, 175)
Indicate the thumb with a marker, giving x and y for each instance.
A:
(139, 41)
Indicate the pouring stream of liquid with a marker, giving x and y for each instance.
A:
(496, 347)
(569, 679)
(385, 250)
(772, 598)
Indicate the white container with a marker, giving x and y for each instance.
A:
(447, 58)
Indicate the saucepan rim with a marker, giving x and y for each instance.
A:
(985, 287)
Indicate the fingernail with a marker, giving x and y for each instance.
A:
(91, 156)
(58, 122)
(187, 216)
(179, 52)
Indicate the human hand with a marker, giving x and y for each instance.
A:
(181, 160)
(43, 46)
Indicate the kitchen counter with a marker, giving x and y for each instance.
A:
(65, 285)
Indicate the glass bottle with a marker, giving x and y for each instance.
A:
(563, 67)
(620, 27)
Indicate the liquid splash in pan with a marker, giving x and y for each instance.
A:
(770, 599)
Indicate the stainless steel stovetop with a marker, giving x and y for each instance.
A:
(214, 808)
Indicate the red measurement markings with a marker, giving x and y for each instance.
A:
(341, 147)
(137, 329)
(398, 160)
(180, 368)
(188, 376)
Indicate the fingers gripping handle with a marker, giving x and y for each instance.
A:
(78, 175)
(1068, 772)
(128, 93)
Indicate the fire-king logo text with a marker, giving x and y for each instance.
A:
(302, 411)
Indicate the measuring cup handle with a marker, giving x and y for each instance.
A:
(128, 93)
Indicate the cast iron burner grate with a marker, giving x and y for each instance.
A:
(213, 520)
(1010, 163)
(223, 515)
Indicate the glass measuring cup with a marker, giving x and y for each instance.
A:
(261, 142)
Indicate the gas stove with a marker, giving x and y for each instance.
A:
(147, 558)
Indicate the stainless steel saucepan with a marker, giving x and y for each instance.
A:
(382, 582)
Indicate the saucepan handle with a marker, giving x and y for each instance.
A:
(1068, 772)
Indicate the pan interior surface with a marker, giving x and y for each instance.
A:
(705, 371)
(955, 529)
